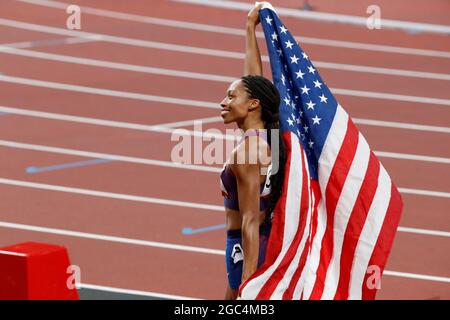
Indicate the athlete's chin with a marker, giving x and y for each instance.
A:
(227, 120)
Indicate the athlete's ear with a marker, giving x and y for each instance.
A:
(253, 105)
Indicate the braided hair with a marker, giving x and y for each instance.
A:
(258, 87)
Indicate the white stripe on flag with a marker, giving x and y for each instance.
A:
(369, 234)
(253, 287)
(329, 154)
(344, 208)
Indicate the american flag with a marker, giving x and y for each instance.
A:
(335, 222)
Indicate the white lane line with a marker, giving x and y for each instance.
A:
(183, 132)
(427, 193)
(49, 42)
(384, 71)
(191, 122)
(172, 130)
(118, 40)
(115, 65)
(367, 122)
(146, 97)
(241, 32)
(111, 195)
(107, 92)
(133, 292)
(407, 156)
(168, 202)
(118, 124)
(416, 276)
(169, 164)
(328, 17)
(401, 125)
(98, 155)
(202, 76)
(161, 128)
(390, 96)
(203, 51)
(424, 231)
(93, 236)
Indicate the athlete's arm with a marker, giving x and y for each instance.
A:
(248, 184)
(253, 63)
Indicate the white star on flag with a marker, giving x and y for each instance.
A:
(290, 121)
(300, 74)
(294, 59)
(311, 69)
(275, 36)
(305, 89)
(311, 143)
(323, 98)
(269, 21)
(310, 105)
(283, 79)
(289, 44)
(283, 29)
(305, 127)
(305, 56)
(287, 101)
(317, 84)
(316, 120)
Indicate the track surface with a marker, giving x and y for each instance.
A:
(419, 265)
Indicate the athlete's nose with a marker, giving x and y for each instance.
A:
(222, 103)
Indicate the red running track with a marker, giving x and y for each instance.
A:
(149, 251)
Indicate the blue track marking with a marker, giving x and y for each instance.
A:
(188, 231)
(67, 165)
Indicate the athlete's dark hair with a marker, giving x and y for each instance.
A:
(264, 90)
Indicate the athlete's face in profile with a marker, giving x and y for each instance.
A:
(236, 103)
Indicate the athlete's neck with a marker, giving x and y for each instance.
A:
(250, 125)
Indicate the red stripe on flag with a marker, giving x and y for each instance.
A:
(384, 243)
(333, 191)
(275, 240)
(355, 225)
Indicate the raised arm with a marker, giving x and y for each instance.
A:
(253, 63)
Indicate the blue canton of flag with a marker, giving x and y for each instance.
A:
(308, 106)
